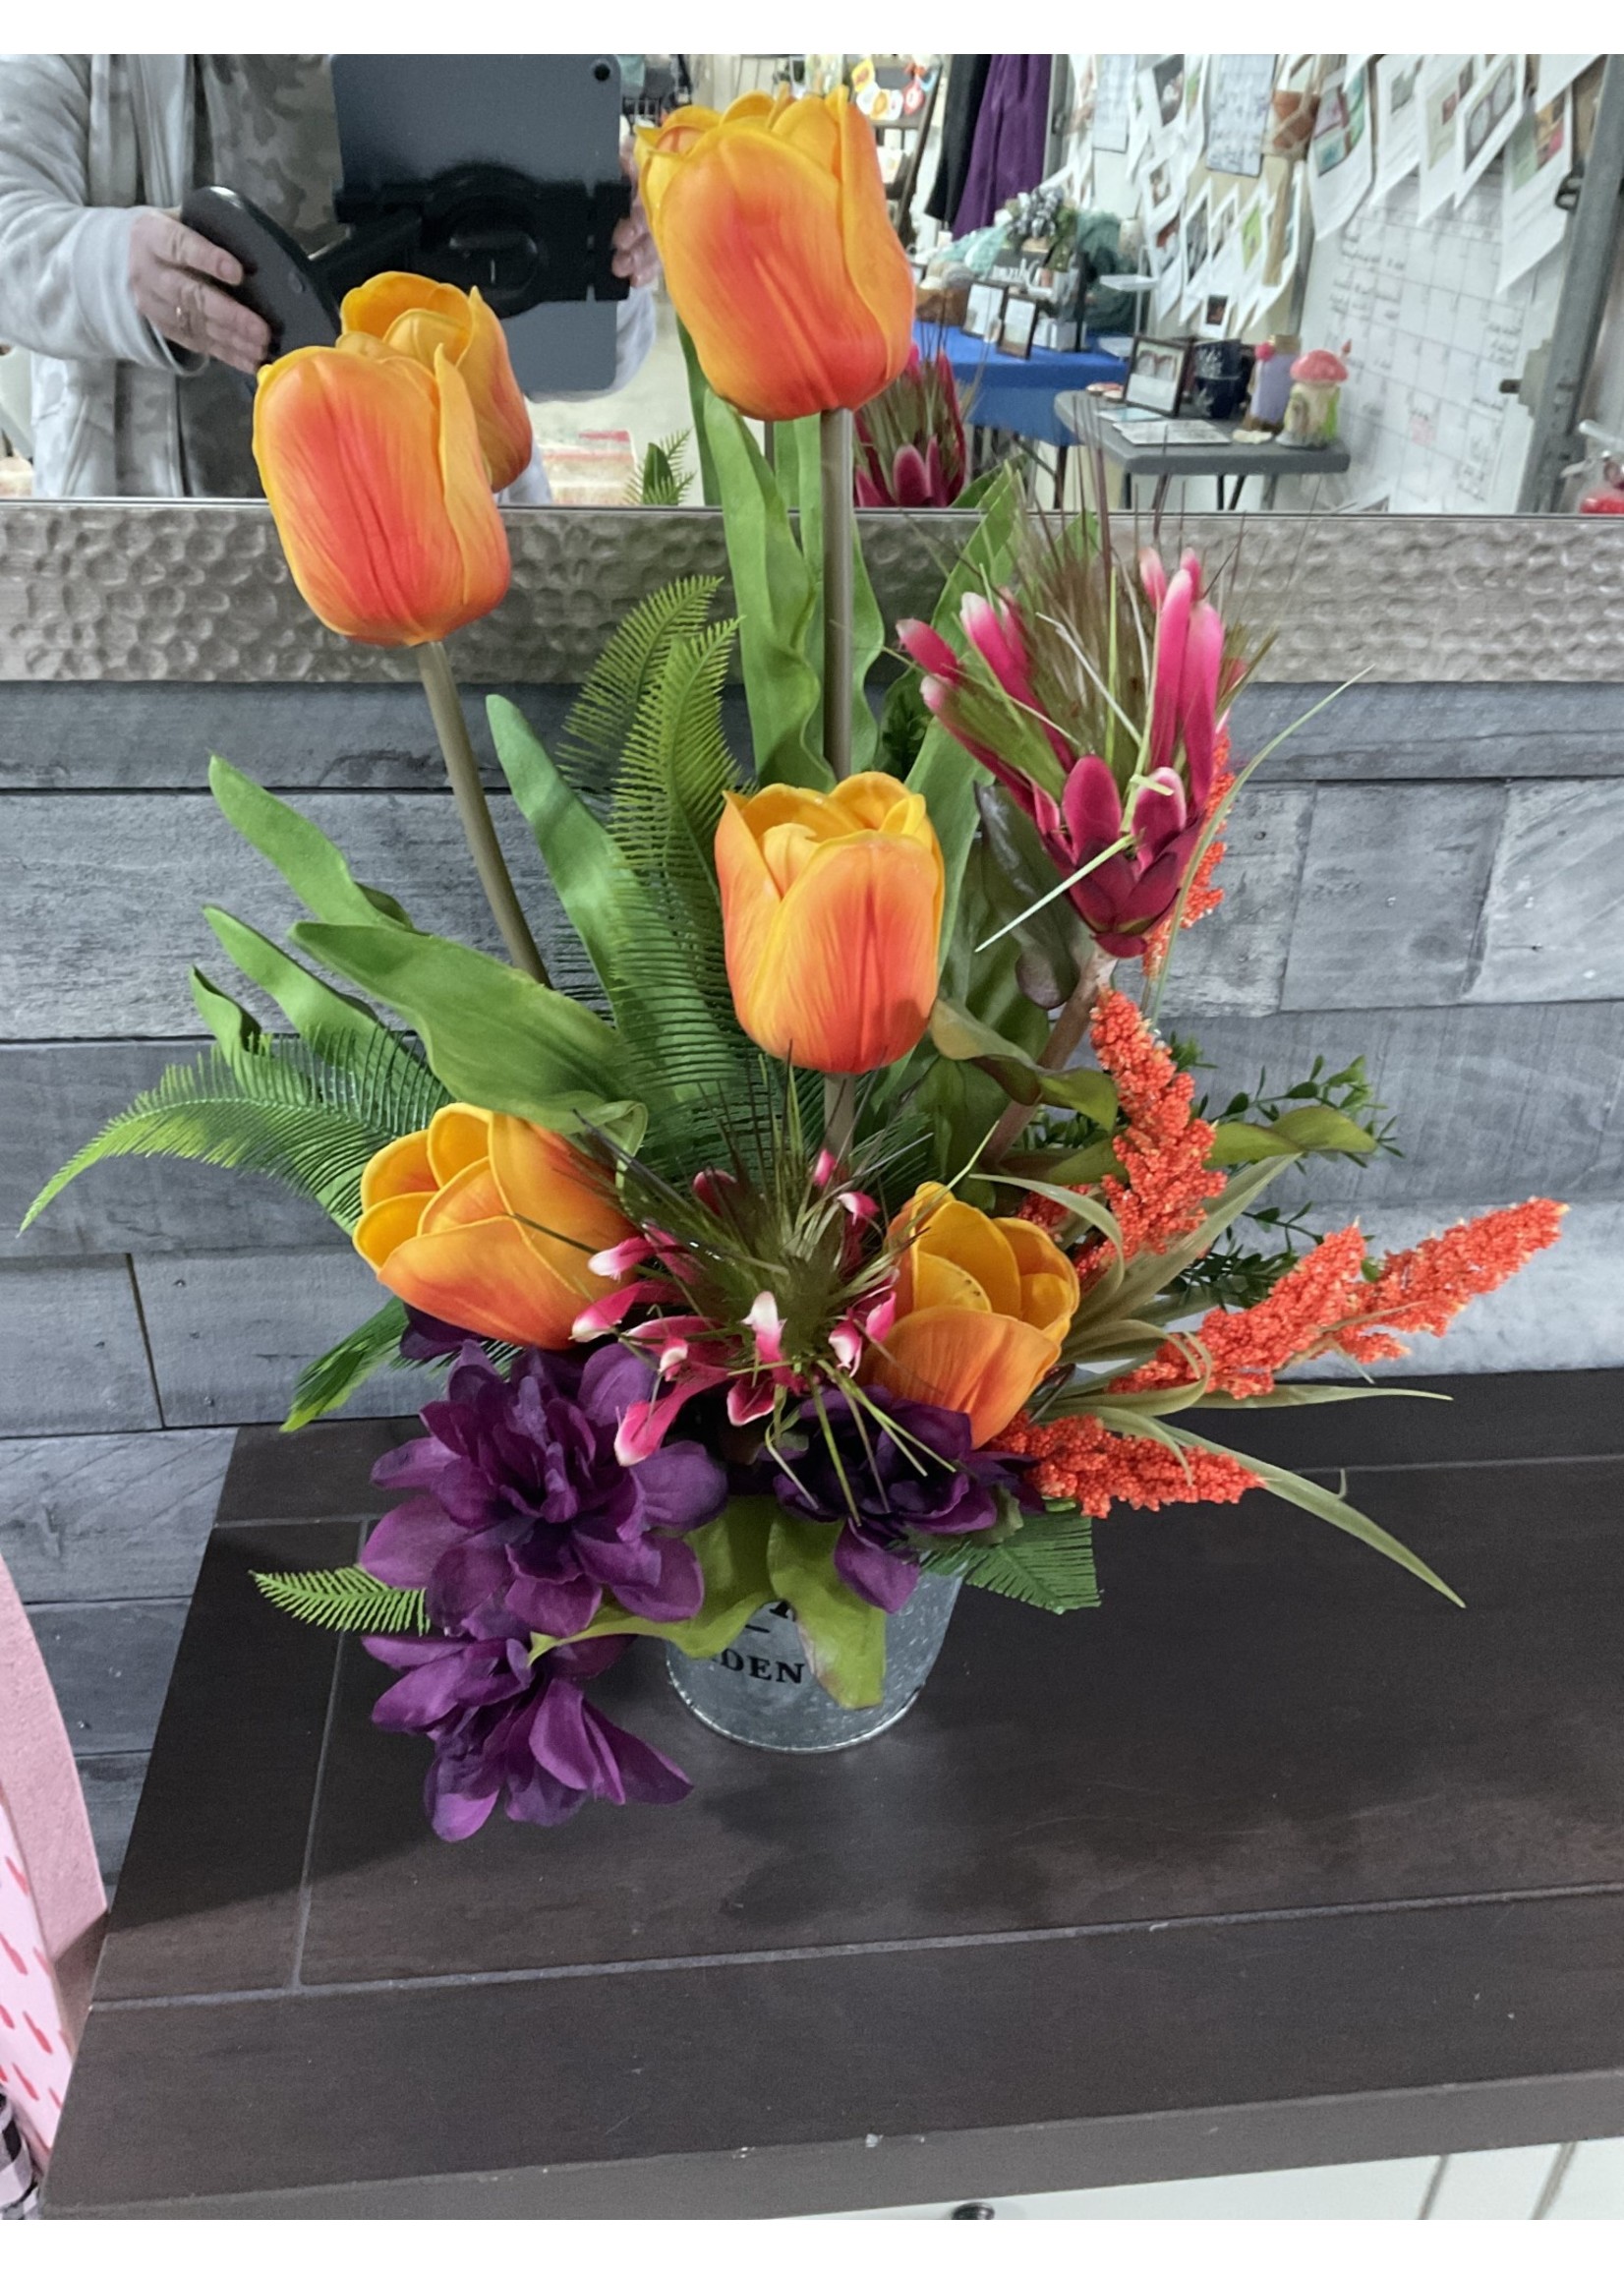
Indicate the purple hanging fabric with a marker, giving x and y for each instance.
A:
(1012, 137)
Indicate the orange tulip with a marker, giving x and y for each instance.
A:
(983, 1304)
(413, 315)
(832, 907)
(375, 479)
(778, 252)
(488, 1222)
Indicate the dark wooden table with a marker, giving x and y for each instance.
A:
(1275, 1860)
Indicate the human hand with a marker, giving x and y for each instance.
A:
(170, 273)
(635, 257)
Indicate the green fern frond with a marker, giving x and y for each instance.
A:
(328, 1381)
(309, 1115)
(1049, 1562)
(350, 1601)
(601, 719)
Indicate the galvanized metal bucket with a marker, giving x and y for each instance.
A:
(761, 1690)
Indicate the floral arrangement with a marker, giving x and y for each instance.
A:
(832, 1211)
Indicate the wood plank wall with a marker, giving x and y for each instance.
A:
(1432, 872)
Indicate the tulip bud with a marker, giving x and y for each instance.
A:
(831, 910)
(375, 479)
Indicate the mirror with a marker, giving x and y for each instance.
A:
(1300, 283)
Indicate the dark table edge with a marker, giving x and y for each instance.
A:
(806, 2179)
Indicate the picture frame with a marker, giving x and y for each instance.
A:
(983, 311)
(1017, 325)
(1157, 374)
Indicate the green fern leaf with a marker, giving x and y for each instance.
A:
(328, 1381)
(1049, 1562)
(310, 1117)
(350, 1601)
(601, 719)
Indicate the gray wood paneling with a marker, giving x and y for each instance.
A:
(1392, 887)
(1492, 1102)
(54, 1097)
(109, 1663)
(123, 736)
(99, 901)
(1235, 960)
(230, 1333)
(1553, 918)
(71, 1350)
(1423, 734)
(86, 1517)
(111, 1784)
(110, 736)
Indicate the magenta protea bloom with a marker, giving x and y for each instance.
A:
(911, 440)
(1112, 763)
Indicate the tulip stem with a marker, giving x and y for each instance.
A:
(839, 538)
(1066, 1034)
(839, 1112)
(463, 772)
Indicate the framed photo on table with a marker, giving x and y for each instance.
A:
(1157, 374)
(982, 310)
(1017, 325)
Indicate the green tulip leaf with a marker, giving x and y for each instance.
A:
(315, 1007)
(308, 858)
(844, 1637)
(777, 604)
(493, 1035)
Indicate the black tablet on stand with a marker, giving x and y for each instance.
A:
(500, 171)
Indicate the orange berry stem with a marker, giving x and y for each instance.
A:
(463, 773)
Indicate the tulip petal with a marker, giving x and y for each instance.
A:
(848, 976)
(401, 1167)
(470, 509)
(487, 1277)
(507, 434)
(384, 1227)
(549, 1182)
(875, 262)
(379, 304)
(974, 1363)
(956, 1234)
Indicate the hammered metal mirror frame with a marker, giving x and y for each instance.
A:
(200, 593)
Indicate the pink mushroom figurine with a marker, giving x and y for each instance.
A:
(1311, 411)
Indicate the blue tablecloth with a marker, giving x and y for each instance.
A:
(1017, 392)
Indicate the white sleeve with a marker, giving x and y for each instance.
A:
(64, 263)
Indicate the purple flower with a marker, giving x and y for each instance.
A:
(505, 1729)
(519, 1505)
(931, 1481)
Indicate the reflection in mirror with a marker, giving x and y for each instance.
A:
(1330, 283)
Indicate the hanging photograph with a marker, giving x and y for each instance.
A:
(1339, 156)
(1531, 222)
(1238, 88)
(1489, 118)
(1555, 75)
(1397, 80)
(1162, 88)
(1197, 233)
(1445, 85)
(1113, 91)
(1224, 247)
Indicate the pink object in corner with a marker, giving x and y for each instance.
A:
(52, 1907)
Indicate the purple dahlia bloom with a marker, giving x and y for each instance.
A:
(519, 1505)
(900, 1490)
(505, 1729)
